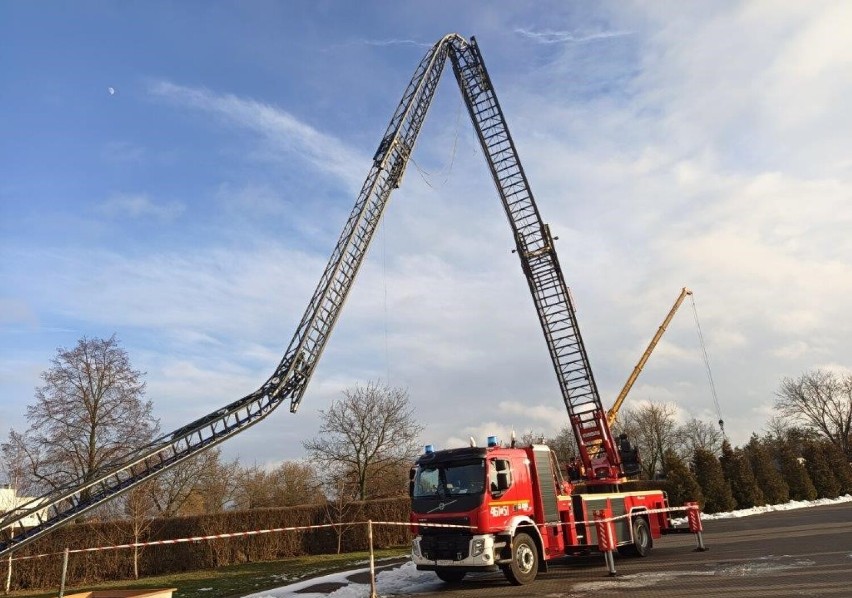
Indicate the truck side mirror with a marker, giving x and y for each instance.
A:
(411, 473)
(502, 481)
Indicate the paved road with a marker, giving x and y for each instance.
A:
(806, 552)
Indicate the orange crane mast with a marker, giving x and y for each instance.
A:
(612, 414)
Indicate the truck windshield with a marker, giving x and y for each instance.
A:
(450, 479)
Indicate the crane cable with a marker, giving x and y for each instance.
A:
(707, 364)
(423, 175)
(384, 236)
(448, 169)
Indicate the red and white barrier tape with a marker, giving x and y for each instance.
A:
(190, 539)
(625, 516)
(321, 526)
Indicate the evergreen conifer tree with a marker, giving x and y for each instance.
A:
(738, 472)
(714, 486)
(819, 469)
(680, 485)
(840, 466)
(795, 474)
(768, 477)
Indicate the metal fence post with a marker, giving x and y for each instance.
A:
(373, 593)
(64, 573)
(9, 575)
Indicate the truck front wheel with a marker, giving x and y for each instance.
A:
(450, 575)
(524, 565)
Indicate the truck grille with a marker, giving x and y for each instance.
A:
(450, 548)
(446, 543)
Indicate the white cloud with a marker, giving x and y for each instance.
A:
(141, 206)
(183, 295)
(563, 37)
(16, 311)
(540, 414)
(386, 42)
(837, 368)
(793, 350)
(811, 73)
(284, 133)
(256, 199)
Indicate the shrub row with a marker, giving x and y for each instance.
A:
(110, 565)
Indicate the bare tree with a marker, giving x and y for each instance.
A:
(134, 508)
(289, 484)
(822, 401)
(370, 431)
(137, 507)
(653, 429)
(564, 444)
(385, 480)
(217, 487)
(778, 428)
(532, 437)
(89, 413)
(696, 434)
(338, 510)
(176, 491)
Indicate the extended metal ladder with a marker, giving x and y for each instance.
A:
(535, 248)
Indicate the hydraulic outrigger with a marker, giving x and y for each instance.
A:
(534, 246)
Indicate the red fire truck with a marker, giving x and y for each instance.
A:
(497, 508)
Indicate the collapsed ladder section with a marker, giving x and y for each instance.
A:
(535, 248)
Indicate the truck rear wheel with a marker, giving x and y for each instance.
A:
(524, 565)
(450, 575)
(642, 541)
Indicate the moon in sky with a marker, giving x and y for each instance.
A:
(111, 90)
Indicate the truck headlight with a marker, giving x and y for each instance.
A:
(478, 547)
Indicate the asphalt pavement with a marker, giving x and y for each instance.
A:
(805, 552)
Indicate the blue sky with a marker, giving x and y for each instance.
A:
(192, 211)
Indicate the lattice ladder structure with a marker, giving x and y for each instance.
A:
(290, 378)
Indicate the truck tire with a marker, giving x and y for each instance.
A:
(642, 541)
(524, 566)
(450, 575)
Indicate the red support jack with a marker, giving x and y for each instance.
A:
(693, 515)
(606, 537)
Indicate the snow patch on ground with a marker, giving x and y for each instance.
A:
(405, 579)
(787, 506)
(761, 566)
(636, 580)
(770, 565)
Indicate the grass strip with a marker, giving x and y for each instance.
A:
(239, 580)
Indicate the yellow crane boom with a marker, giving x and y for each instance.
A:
(612, 414)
